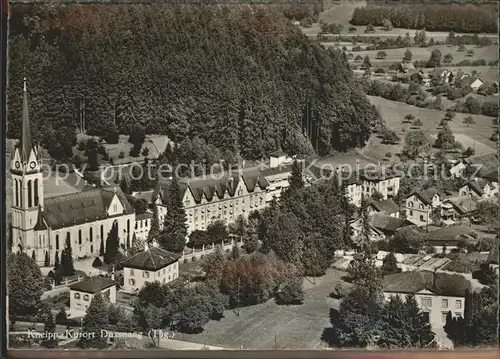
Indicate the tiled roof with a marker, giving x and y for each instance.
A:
(453, 285)
(463, 204)
(493, 256)
(145, 215)
(278, 153)
(476, 186)
(449, 233)
(152, 259)
(216, 187)
(386, 223)
(487, 161)
(425, 195)
(93, 284)
(82, 207)
(388, 206)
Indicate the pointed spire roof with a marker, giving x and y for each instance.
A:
(26, 142)
(40, 224)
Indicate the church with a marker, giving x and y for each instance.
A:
(42, 227)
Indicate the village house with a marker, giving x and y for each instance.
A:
(153, 264)
(81, 294)
(436, 293)
(386, 207)
(493, 258)
(419, 205)
(381, 226)
(476, 84)
(446, 239)
(454, 209)
(442, 75)
(480, 188)
(457, 170)
(382, 180)
(483, 165)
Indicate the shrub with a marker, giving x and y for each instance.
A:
(340, 291)
(388, 154)
(193, 259)
(121, 155)
(290, 292)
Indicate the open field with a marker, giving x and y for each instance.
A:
(156, 144)
(294, 327)
(394, 112)
(479, 147)
(487, 53)
(342, 14)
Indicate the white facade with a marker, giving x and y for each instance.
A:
(436, 306)
(41, 239)
(135, 279)
(80, 300)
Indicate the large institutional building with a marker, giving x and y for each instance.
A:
(41, 227)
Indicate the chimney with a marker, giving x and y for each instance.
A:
(434, 279)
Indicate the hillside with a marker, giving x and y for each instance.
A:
(240, 78)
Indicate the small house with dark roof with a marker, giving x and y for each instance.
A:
(153, 264)
(454, 209)
(436, 293)
(479, 188)
(419, 205)
(41, 226)
(387, 207)
(444, 240)
(81, 293)
(389, 225)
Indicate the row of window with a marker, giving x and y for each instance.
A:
(32, 193)
(411, 205)
(86, 297)
(444, 314)
(164, 280)
(427, 302)
(145, 274)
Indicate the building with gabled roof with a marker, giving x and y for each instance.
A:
(81, 294)
(153, 264)
(419, 205)
(436, 293)
(42, 227)
(386, 207)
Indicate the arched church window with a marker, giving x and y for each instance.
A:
(128, 225)
(17, 192)
(91, 234)
(57, 242)
(30, 194)
(102, 231)
(20, 193)
(36, 192)
(79, 236)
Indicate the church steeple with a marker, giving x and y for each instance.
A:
(26, 142)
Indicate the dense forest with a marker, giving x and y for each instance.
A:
(432, 17)
(244, 79)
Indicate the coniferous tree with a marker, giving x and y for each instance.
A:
(296, 181)
(154, 230)
(49, 328)
(112, 245)
(174, 229)
(95, 320)
(67, 267)
(47, 260)
(390, 265)
(101, 248)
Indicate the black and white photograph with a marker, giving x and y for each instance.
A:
(218, 175)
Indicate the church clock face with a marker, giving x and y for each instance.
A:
(32, 165)
(18, 165)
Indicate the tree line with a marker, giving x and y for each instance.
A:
(240, 78)
(432, 17)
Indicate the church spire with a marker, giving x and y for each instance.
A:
(26, 142)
